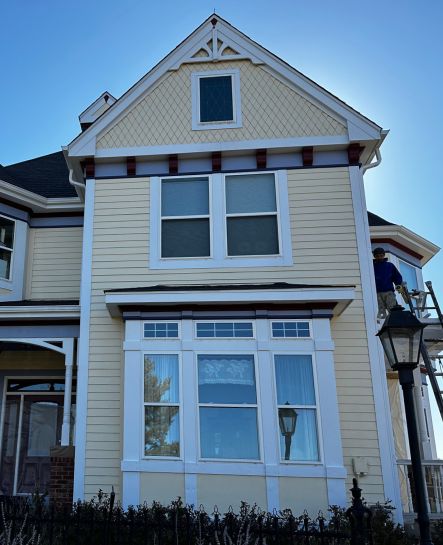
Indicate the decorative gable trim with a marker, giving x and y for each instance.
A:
(231, 41)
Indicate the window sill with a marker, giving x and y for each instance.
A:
(228, 262)
(209, 126)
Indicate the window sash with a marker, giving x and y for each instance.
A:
(211, 327)
(154, 327)
(202, 100)
(286, 326)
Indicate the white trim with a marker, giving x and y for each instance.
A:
(85, 142)
(68, 345)
(83, 350)
(15, 283)
(39, 312)
(131, 489)
(38, 203)
(376, 356)
(235, 145)
(234, 123)
(343, 296)
(89, 114)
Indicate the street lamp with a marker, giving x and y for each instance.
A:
(287, 418)
(401, 337)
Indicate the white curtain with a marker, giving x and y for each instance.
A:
(161, 378)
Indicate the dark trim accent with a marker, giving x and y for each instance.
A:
(228, 171)
(216, 161)
(173, 164)
(223, 287)
(36, 321)
(308, 156)
(260, 157)
(85, 126)
(39, 303)
(89, 167)
(57, 215)
(244, 311)
(131, 166)
(397, 245)
(214, 21)
(354, 152)
(15, 205)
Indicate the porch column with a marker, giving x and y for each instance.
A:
(68, 345)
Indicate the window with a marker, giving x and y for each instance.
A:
(228, 407)
(6, 246)
(161, 404)
(251, 215)
(185, 217)
(235, 220)
(160, 330)
(409, 275)
(290, 330)
(216, 99)
(296, 393)
(224, 330)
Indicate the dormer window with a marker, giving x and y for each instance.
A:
(6, 247)
(216, 100)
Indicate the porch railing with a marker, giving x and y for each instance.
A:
(433, 470)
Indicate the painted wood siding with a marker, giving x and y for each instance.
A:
(324, 251)
(54, 263)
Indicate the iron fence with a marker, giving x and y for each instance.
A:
(104, 522)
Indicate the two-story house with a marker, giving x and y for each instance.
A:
(187, 292)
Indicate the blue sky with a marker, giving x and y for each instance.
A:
(383, 58)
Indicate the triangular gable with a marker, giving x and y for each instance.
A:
(217, 41)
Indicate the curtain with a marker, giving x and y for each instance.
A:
(295, 381)
(161, 378)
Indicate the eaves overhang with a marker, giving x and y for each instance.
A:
(38, 203)
(404, 239)
(337, 298)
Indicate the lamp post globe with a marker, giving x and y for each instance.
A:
(401, 337)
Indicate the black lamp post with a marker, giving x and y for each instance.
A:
(287, 418)
(401, 337)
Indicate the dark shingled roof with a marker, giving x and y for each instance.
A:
(47, 176)
(376, 221)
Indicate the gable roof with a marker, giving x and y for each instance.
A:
(376, 221)
(47, 176)
(211, 31)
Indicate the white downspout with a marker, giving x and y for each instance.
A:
(74, 183)
(375, 163)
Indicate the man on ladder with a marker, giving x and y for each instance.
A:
(386, 277)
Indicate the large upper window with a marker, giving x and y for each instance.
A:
(6, 246)
(216, 99)
(409, 274)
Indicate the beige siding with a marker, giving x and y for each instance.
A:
(270, 109)
(324, 251)
(54, 263)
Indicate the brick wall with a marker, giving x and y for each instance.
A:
(61, 482)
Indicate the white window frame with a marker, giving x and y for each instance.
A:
(176, 322)
(257, 405)
(144, 404)
(217, 228)
(198, 125)
(316, 406)
(237, 339)
(285, 339)
(417, 271)
(11, 250)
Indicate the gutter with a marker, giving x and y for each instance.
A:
(384, 133)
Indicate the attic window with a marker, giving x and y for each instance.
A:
(6, 246)
(216, 100)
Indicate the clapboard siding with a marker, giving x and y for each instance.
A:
(54, 263)
(324, 251)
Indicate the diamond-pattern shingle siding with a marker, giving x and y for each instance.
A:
(270, 109)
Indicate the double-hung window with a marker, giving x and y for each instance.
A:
(227, 399)
(251, 215)
(232, 220)
(296, 400)
(161, 405)
(185, 227)
(7, 228)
